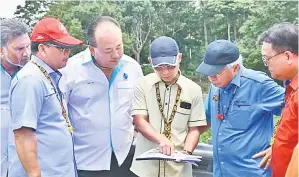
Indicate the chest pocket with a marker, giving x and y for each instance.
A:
(125, 92)
(181, 118)
(50, 92)
(239, 116)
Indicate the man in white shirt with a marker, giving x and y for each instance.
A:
(98, 84)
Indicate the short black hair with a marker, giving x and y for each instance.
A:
(92, 26)
(282, 36)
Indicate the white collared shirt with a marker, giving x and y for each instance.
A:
(100, 110)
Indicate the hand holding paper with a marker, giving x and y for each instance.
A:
(166, 147)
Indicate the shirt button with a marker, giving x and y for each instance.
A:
(167, 88)
(224, 106)
(219, 149)
(219, 133)
(224, 91)
(165, 103)
(222, 163)
(224, 121)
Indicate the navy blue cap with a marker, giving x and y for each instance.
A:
(218, 54)
(164, 50)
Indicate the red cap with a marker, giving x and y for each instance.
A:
(51, 29)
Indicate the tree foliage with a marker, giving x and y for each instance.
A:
(193, 24)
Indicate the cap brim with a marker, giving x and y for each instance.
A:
(164, 61)
(209, 70)
(69, 41)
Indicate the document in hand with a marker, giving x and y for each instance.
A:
(154, 154)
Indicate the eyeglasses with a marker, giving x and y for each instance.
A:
(162, 67)
(62, 49)
(267, 60)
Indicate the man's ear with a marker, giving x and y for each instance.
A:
(291, 57)
(1, 52)
(236, 68)
(149, 60)
(179, 57)
(91, 49)
(41, 49)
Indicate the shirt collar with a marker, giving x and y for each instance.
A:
(294, 82)
(236, 80)
(4, 71)
(42, 64)
(86, 56)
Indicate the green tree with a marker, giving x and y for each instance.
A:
(77, 18)
(32, 11)
(262, 16)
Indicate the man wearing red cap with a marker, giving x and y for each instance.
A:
(39, 120)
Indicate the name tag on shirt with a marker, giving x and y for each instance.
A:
(185, 105)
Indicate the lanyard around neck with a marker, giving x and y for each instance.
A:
(221, 116)
(64, 114)
(167, 123)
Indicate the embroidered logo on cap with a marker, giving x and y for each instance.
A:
(39, 37)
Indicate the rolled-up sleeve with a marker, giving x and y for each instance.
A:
(139, 102)
(26, 102)
(197, 117)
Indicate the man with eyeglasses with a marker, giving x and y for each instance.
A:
(15, 52)
(280, 55)
(240, 106)
(42, 145)
(168, 111)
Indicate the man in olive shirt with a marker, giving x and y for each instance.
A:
(168, 111)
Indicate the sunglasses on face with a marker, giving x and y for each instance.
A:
(62, 49)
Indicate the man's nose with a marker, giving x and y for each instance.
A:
(212, 78)
(115, 54)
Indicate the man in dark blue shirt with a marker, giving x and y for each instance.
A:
(239, 108)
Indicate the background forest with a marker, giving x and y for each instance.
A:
(193, 24)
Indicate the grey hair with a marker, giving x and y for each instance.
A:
(12, 29)
(239, 61)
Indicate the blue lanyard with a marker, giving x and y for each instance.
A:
(230, 102)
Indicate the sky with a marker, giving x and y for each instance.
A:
(8, 9)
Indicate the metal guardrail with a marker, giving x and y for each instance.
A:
(205, 167)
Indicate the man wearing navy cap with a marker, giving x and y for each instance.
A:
(168, 111)
(239, 108)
